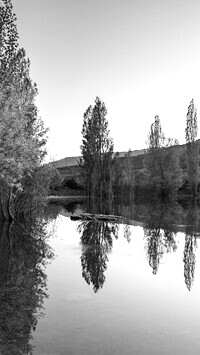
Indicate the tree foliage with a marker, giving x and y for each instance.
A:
(164, 175)
(156, 136)
(191, 123)
(192, 147)
(97, 150)
(22, 133)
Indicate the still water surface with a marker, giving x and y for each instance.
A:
(122, 289)
(101, 288)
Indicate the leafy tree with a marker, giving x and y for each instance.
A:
(156, 136)
(123, 174)
(163, 167)
(192, 147)
(97, 150)
(191, 123)
(127, 173)
(154, 159)
(22, 133)
(117, 171)
(35, 191)
(8, 41)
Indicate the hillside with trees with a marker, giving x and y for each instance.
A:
(164, 169)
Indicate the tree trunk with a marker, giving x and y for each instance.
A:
(5, 201)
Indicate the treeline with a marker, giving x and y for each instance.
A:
(165, 170)
(23, 178)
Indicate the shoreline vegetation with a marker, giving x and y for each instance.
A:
(24, 178)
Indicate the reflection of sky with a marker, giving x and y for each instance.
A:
(141, 57)
(135, 312)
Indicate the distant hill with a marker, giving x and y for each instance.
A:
(68, 161)
(73, 161)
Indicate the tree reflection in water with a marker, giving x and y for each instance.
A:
(127, 232)
(160, 239)
(158, 242)
(189, 258)
(23, 255)
(96, 239)
(154, 247)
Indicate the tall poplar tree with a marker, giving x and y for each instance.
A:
(192, 147)
(156, 136)
(154, 159)
(97, 150)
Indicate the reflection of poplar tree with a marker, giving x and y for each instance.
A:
(158, 242)
(127, 232)
(189, 260)
(154, 247)
(169, 241)
(191, 244)
(96, 238)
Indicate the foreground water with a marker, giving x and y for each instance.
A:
(130, 288)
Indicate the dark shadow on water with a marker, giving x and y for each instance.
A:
(24, 253)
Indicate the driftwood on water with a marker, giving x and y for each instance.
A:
(96, 217)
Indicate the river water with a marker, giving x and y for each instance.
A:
(112, 288)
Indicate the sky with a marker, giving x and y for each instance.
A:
(141, 57)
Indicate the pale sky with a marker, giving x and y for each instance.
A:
(142, 58)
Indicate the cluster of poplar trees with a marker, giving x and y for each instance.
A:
(22, 133)
(165, 169)
(168, 167)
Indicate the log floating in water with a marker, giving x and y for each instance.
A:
(96, 217)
